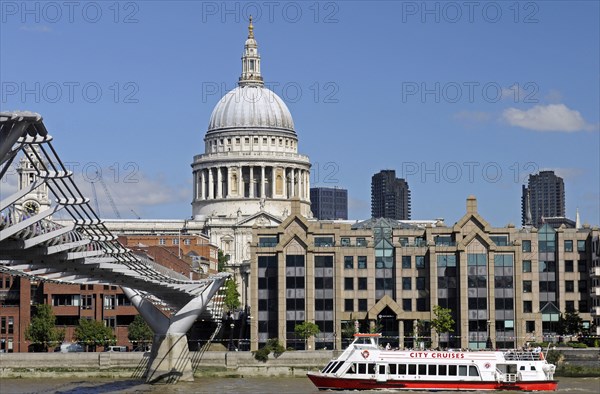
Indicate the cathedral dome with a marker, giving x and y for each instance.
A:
(251, 106)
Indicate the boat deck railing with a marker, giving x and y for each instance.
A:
(525, 355)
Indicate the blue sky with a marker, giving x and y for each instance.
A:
(460, 98)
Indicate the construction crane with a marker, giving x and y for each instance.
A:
(108, 195)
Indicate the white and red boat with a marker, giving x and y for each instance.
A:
(365, 366)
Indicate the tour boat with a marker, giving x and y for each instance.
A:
(366, 366)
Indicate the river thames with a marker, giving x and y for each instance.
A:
(218, 385)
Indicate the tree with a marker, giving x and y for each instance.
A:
(232, 296)
(570, 323)
(139, 331)
(306, 329)
(443, 321)
(42, 331)
(222, 260)
(93, 333)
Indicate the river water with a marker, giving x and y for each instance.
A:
(219, 385)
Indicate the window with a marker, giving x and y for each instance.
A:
(162, 241)
(568, 245)
(362, 262)
(420, 283)
(527, 307)
(362, 304)
(11, 325)
(529, 326)
(500, 240)
(526, 286)
(583, 306)
(348, 283)
(324, 241)
(349, 305)
(526, 246)
(420, 262)
(582, 286)
(422, 305)
(581, 266)
(175, 241)
(187, 241)
(406, 262)
(345, 241)
(570, 306)
(407, 304)
(568, 265)
(87, 301)
(569, 286)
(406, 284)
(267, 242)
(362, 283)
(526, 265)
(581, 245)
(361, 242)
(348, 262)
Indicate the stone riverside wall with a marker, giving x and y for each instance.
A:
(133, 365)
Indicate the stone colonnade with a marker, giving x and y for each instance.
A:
(251, 181)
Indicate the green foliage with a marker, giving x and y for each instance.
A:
(41, 331)
(576, 371)
(554, 357)
(232, 295)
(276, 347)
(93, 333)
(443, 321)
(222, 260)
(139, 331)
(578, 345)
(375, 328)
(262, 354)
(272, 345)
(306, 330)
(570, 323)
(348, 329)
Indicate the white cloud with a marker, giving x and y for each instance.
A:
(552, 117)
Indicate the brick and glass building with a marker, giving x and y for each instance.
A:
(508, 283)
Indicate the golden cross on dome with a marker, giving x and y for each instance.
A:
(250, 29)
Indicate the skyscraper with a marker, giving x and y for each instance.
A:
(543, 197)
(390, 196)
(329, 203)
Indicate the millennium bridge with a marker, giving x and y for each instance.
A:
(85, 252)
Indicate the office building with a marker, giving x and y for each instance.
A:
(390, 196)
(328, 203)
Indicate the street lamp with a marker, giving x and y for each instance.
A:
(231, 326)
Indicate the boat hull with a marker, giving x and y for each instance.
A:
(333, 383)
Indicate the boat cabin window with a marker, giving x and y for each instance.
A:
(371, 368)
(352, 369)
(432, 369)
(473, 371)
(522, 368)
(442, 370)
(462, 370)
(452, 370)
(362, 368)
(412, 369)
(335, 369)
(401, 369)
(327, 367)
(382, 369)
(422, 369)
(533, 368)
(393, 369)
